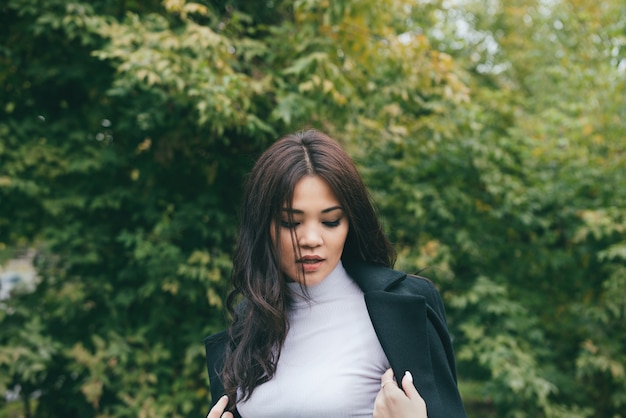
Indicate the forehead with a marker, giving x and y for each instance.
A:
(313, 193)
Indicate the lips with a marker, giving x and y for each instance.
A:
(310, 259)
(311, 263)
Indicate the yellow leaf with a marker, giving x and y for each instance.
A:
(196, 8)
(306, 86)
(174, 6)
(92, 391)
(327, 86)
(170, 288)
(144, 145)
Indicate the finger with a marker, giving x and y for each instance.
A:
(409, 387)
(218, 409)
(412, 393)
(380, 403)
(387, 378)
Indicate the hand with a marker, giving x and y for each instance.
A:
(218, 410)
(393, 402)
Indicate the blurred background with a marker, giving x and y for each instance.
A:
(492, 135)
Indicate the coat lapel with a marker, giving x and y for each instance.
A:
(400, 322)
(401, 325)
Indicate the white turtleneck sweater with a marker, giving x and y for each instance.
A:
(331, 362)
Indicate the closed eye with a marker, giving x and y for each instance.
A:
(289, 225)
(332, 224)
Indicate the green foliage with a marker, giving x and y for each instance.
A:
(127, 196)
(491, 135)
(526, 203)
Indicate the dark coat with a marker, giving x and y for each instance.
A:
(409, 319)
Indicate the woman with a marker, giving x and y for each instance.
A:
(322, 326)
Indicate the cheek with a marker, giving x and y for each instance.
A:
(273, 233)
(286, 243)
(339, 240)
(345, 234)
(278, 240)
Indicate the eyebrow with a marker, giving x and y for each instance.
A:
(327, 210)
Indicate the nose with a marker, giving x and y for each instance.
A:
(309, 237)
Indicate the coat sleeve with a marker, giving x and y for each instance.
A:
(436, 303)
(441, 350)
(215, 346)
(444, 365)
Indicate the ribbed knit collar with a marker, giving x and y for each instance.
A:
(336, 284)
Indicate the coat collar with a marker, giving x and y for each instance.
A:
(372, 277)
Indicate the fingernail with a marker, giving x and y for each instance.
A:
(409, 375)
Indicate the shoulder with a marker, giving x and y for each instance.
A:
(215, 345)
(372, 277)
(217, 339)
(418, 285)
(375, 278)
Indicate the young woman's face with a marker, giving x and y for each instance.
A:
(319, 229)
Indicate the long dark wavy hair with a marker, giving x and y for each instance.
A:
(259, 299)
